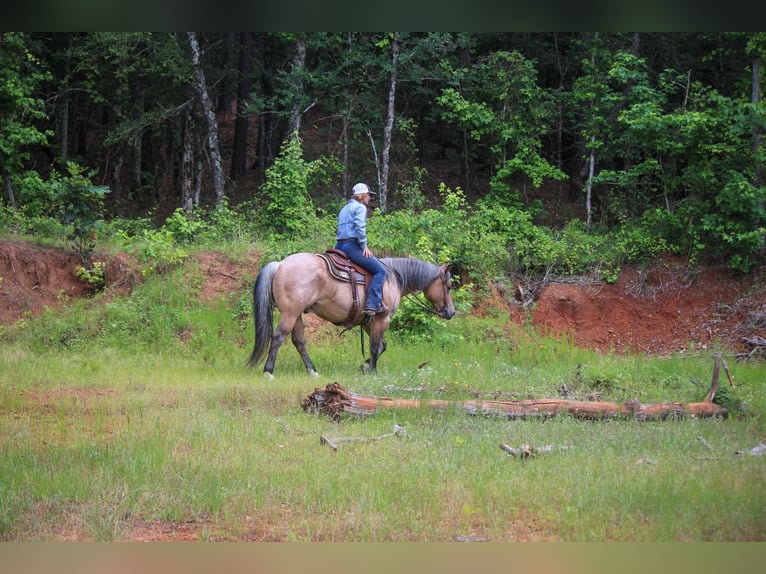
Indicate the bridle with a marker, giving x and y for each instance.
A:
(429, 308)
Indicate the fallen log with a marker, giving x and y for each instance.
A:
(334, 400)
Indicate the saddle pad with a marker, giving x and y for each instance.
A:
(341, 268)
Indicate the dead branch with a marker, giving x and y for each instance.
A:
(525, 451)
(758, 343)
(757, 450)
(706, 443)
(333, 442)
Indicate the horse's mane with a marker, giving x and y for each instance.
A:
(411, 274)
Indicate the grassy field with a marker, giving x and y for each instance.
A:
(140, 415)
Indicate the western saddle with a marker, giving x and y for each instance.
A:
(345, 270)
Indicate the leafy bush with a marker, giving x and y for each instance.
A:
(185, 228)
(80, 204)
(155, 247)
(288, 210)
(93, 274)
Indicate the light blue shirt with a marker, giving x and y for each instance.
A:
(352, 222)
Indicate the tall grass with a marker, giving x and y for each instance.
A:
(140, 411)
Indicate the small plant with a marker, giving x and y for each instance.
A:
(611, 275)
(156, 247)
(185, 229)
(93, 275)
(80, 204)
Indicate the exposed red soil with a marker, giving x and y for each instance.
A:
(660, 309)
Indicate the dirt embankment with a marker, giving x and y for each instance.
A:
(660, 309)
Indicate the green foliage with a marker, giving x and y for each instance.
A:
(34, 196)
(288, 210)
(505, 108)
(492, 240)
(525, 246)
(184, 228)
(80, 204)
(156, 248)
(225, 224)
(93, 274)
(21, 73)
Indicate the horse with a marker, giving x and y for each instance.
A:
(302, 283)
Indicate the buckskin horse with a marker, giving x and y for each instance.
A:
(332, 287)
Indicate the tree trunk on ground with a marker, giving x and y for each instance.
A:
(334, 400)
(212, 123)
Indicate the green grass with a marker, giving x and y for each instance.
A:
(110, 418)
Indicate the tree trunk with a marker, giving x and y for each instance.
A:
(589, 186)
(241, 125)
(9, 190)
(65, 103)
(334, 400)
(383, 191)
(212, 123)
(558, 152)
(345, 185)
(138, 140)
(299, 63)
(758, 139)
(226, 86)
(187, 161)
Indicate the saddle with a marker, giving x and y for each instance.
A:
(343, 269)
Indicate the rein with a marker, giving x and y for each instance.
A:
(422, 304)
(418, 301)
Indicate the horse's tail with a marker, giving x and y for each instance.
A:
(263, 311)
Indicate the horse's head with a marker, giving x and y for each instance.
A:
(439, 293)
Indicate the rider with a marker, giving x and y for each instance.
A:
(351, 238)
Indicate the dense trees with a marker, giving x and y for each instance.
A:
(662, 130)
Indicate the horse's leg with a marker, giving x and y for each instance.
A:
(299, 340)
(285, 326)
(375, 352)
(377, 347)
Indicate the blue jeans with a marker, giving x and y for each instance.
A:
(371, 264)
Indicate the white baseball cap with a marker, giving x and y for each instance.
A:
(362, 188)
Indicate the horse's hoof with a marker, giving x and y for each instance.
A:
(314, 374)
(268, 375)
(364, 367)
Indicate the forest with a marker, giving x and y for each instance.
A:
(545, 148)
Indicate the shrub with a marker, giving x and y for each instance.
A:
(80, 205)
